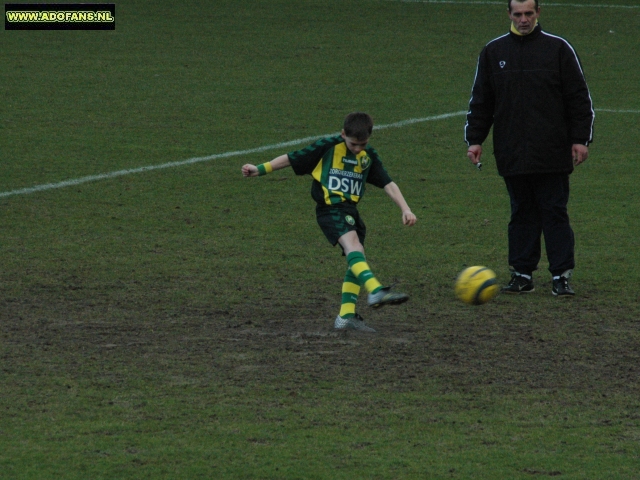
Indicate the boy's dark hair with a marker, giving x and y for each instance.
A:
(358, 125)
(522, 1)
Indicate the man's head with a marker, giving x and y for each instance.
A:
(356, 131)
(521, 1)
(524, 14)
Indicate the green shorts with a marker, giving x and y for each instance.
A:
(336, 220)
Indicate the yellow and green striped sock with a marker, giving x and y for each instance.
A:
(362, 271)
(350, 291)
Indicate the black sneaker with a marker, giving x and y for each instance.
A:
(518, 284)
(561, 287)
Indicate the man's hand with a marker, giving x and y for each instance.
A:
(249, 170)
(579, 153)
(474, 152)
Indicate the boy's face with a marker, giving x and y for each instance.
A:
(353, 144)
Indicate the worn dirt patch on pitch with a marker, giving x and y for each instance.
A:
(244, 345)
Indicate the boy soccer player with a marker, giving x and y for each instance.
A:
(340, 167)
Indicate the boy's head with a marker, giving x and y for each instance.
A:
(358, 125)
(357, 130)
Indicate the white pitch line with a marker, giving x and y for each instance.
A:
(180, 163)
(120, 173)
(543, 4)
(610, 110)
(411, 121)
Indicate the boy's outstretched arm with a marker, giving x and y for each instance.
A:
(249, 170)
(408, 218)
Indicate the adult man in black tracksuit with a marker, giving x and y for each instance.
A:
(530, 86)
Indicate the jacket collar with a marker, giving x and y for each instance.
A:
(525, 38)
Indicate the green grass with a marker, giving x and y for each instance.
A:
(177, 323)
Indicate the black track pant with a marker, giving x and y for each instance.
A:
(539, 206)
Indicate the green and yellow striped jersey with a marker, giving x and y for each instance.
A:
(338, 175)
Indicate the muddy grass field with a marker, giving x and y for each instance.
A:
(504, 389)
(163, 317)
(146, 331)
(561, 344)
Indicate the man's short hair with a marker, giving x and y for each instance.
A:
(358, 125)
(522, 1)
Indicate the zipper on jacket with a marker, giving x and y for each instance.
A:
(522, 100)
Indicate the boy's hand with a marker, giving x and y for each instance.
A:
(408, 218)
(249, 170)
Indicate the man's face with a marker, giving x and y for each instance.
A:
(524, 15)
(353, 144)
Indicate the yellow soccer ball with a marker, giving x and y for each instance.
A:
(476, 285)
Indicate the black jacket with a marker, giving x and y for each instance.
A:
(532, 89)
